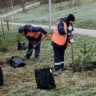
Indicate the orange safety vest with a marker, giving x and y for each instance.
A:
(58, 38)
(33, 34)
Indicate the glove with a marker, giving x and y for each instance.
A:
(70, 28)
(71, 40)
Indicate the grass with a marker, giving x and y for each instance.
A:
(21, 81)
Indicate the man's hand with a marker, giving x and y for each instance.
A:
(70, 28)
(46, 35)
(34, 46)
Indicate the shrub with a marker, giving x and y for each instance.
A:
(83, 60)
(3, 45)
(18, 38)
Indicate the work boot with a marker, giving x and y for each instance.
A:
(36, 58)
(64, 69)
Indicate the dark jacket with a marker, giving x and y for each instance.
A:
(60, 25)
(29, 28)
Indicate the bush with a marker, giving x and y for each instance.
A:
(3, 45)
(83, 60)
(18, 38)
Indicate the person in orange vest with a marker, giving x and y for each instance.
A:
(34, 35)
(61, 38)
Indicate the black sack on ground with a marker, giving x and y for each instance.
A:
(21, 46)
(1, 77)
(44, 78)
(16, 61)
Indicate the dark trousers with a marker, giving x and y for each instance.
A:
(37, 48)
(59, 52)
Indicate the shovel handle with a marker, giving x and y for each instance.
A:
(72, 53)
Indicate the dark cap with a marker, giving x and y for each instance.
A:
(27, 28)
(21, 29)
(71, 17)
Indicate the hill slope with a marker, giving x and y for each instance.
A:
(85, 14)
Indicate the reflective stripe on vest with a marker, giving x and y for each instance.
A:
(34, 34)
(58, 38)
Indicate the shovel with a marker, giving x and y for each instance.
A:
(37, 44)
(72, 54)
(73, 63)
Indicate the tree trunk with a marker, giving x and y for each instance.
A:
(3, 31)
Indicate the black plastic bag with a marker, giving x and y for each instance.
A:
(16, 61)
(44, 78)
(1, 77)
(21, 46)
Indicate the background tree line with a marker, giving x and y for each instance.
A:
(8, 3)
